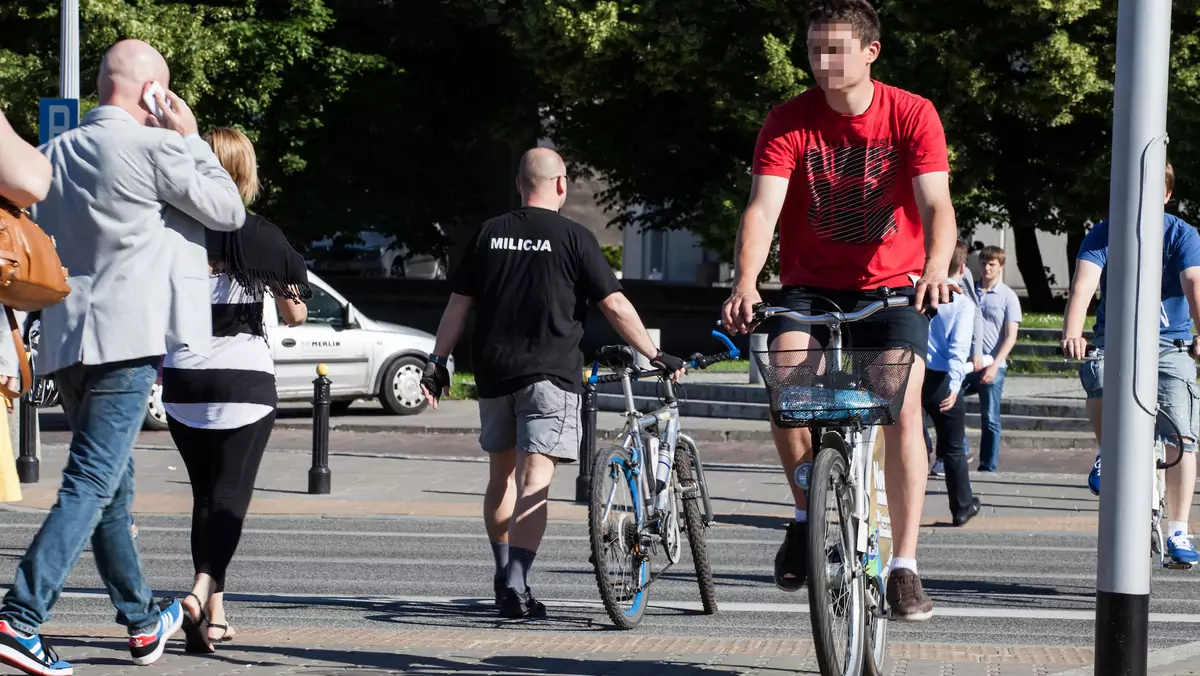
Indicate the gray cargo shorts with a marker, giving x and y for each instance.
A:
(541, 418)
(1178, 395)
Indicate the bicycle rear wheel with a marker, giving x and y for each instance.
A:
(614, 514)
(835, 593)
(876, 634)
(693, 521)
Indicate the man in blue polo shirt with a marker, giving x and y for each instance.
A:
(1177, 393)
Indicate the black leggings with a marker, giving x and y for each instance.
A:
(222, 465)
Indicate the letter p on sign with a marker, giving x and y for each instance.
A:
(56, 116)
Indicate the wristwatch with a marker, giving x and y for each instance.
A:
(439, 360)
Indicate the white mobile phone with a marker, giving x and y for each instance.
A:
(151, 102)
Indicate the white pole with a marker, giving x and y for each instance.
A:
(69, 51)
(758, 343)
(1131, 335)
(641, 361)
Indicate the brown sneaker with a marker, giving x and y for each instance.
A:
(906, 597)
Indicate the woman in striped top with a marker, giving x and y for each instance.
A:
(221, 408)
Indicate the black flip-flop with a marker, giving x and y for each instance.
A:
(225, 637)
(195, 632)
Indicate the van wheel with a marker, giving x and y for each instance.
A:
(400, 392)
(156, 415)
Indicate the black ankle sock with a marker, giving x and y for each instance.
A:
(519, 563)
(500, 553)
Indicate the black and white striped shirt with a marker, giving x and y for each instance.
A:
(235, 385)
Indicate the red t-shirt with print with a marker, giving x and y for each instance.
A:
(850, 220)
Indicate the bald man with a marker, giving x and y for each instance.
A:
(132, 195)
(530, 275)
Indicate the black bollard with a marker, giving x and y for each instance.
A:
(318, 475)
(587, 444)
(28, 465)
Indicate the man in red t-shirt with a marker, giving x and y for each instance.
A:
(856, 174)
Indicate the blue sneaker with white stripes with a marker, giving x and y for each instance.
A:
(1181, 550)
(1094, 478)
(31, 654)
(147, 648)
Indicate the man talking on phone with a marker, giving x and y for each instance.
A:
(131, 197)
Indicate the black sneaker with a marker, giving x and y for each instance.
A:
(972, 510)
(514, 604)
(498, 586)
(791, 561)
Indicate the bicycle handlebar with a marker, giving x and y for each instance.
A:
(1178, 346)
(764, 311)
(697, 361)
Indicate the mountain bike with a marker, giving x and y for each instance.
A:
(644, 493)
(1158, 500)
(844, 395)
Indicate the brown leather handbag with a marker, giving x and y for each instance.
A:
(32, 278)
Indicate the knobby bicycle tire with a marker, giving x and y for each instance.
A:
(618, 460)
(835, 656)
(693, 519)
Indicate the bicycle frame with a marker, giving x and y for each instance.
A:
(856, 444)
(1158, 485)
(666, 420)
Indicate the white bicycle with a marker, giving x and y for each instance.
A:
(1158, 502)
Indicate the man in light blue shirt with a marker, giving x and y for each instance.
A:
(947, 362)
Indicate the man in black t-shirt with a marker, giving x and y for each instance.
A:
(529, 275)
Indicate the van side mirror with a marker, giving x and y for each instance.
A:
(349, 317)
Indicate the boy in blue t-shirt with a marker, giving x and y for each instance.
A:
(1177, 392)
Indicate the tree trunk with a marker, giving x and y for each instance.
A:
(1033, 270)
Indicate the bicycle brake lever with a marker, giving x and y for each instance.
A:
(733, 351)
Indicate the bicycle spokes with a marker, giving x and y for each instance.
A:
(839, 557)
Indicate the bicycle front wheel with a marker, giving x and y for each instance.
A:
(693, 521)
(835, 592)
(614, 516)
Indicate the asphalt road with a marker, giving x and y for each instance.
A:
(991, 588)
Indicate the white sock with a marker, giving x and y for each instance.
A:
(801, 515)
(1174, 527)
(901, 562)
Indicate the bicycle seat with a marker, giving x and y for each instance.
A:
(616, 356)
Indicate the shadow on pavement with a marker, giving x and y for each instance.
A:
(971, 591)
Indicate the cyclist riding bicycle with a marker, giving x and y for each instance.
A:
(1177, 392)
(856, 174)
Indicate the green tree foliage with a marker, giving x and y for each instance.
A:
(364, 113)
(1024, 89)
(237, 64)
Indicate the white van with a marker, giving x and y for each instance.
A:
(366, 358)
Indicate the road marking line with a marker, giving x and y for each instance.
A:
(556, 538)
(733, 607)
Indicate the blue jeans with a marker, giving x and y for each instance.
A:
(989, 413)
(105, 406)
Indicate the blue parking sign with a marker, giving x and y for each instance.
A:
(56, 116)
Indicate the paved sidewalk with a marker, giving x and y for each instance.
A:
(504, 651)
(381, 485)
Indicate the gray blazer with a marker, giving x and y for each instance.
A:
(128, 206)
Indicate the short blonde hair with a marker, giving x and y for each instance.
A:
(236, 154)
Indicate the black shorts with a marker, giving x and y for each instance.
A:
(890, 327)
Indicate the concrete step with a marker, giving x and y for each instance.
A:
(701, 408)
(1045, 335)
(708, 397)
